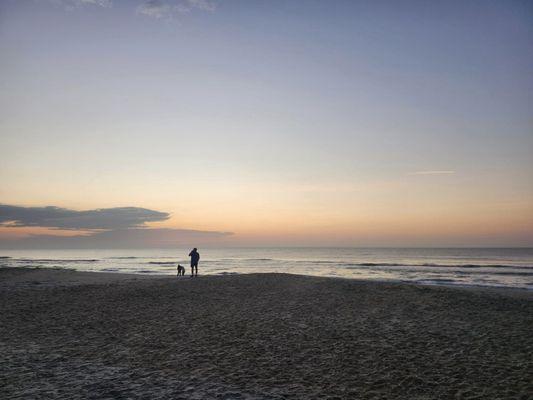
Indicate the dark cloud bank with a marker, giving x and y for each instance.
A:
(121, 227)
(63, 218)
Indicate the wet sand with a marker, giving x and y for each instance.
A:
(72, 335)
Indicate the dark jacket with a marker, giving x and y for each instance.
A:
(195, 256)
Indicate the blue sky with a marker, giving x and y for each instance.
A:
(299, 122)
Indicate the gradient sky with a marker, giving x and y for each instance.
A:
(335, 123)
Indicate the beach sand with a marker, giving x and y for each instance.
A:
(72, 335)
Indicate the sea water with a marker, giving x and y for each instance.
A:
(500, 267)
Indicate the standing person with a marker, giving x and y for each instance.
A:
(195, 257)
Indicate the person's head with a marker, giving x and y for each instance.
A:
(195, 249)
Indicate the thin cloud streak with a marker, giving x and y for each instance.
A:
(158, 9)
(432, 173)
(74, 4)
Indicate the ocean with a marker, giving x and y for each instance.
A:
(495, 267)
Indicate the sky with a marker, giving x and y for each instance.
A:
(266, 123)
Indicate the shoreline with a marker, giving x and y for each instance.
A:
(113, 276)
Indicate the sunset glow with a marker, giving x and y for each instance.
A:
(281, 124)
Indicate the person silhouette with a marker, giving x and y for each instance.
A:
(195, 257)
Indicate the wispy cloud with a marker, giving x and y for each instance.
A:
(73, 4)
(63, 218)
(158, 9)
(154, 9)
(436, 172)
(168, 9)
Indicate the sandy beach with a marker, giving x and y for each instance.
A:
(72, 335)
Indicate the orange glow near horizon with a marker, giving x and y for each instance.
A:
(426, 211)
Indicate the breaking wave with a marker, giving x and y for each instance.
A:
(351, 265)
(162, 262)
(52, 260)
